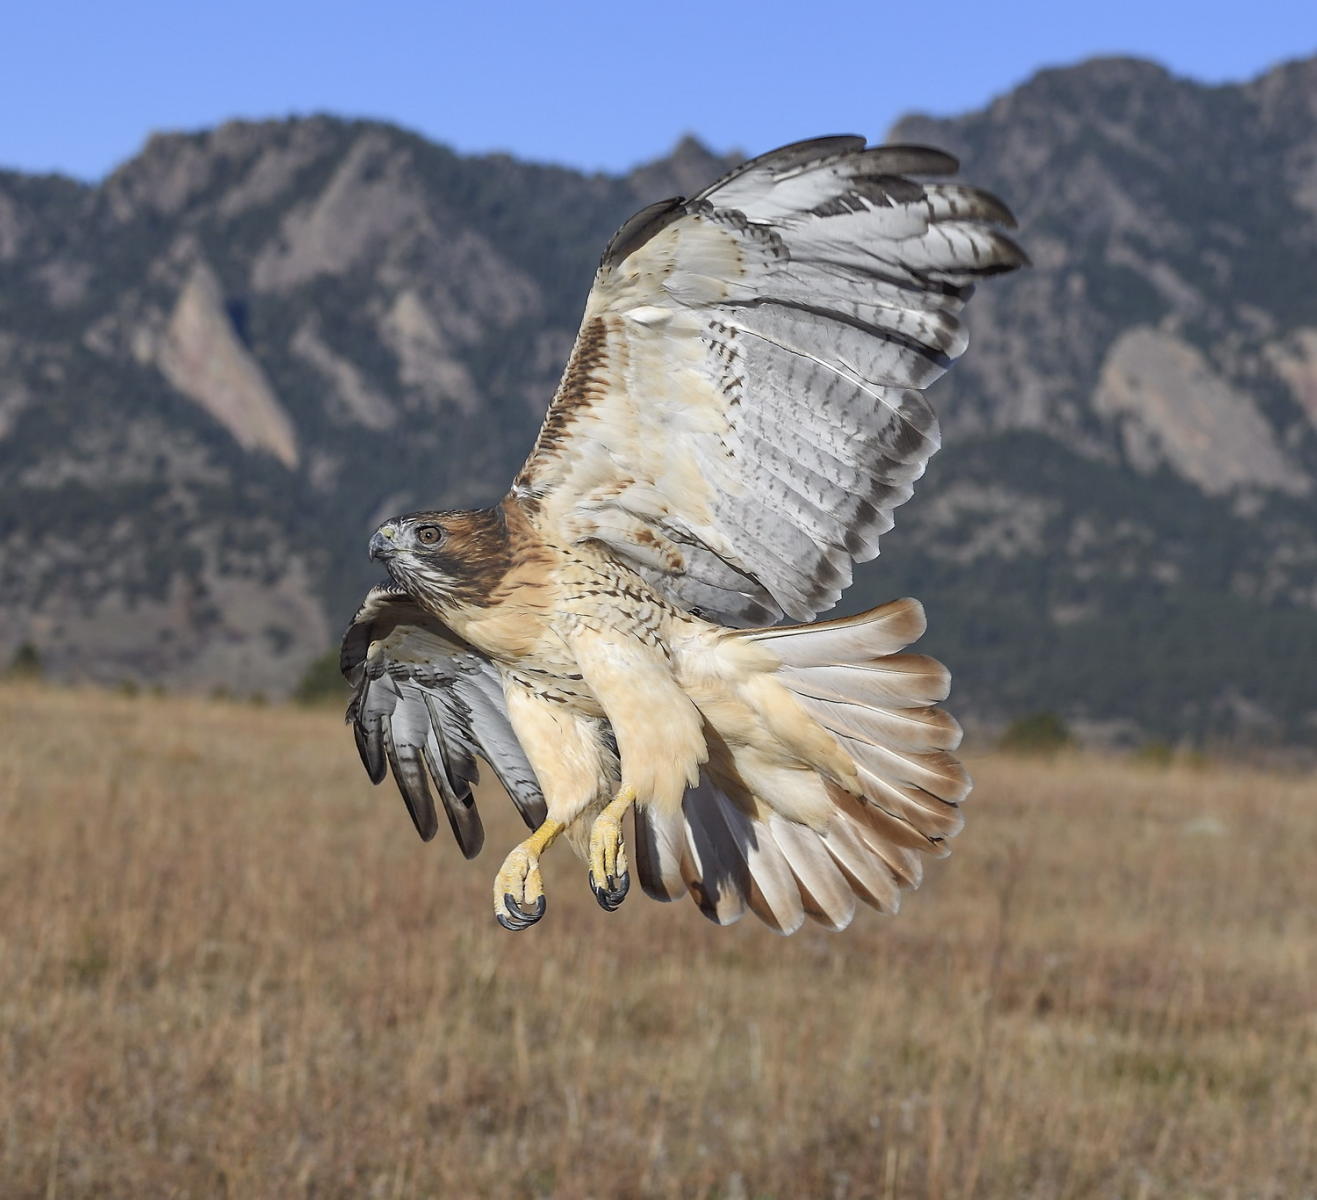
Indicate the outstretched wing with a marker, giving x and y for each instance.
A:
(426, 706)
(742, 411)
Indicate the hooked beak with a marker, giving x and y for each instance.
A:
(382, 544)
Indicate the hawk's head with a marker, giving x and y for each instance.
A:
(445, 557)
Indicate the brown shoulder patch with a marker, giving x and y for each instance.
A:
(581, 384)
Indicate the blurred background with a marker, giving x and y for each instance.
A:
(271, 273)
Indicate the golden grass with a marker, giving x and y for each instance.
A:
(229, 968)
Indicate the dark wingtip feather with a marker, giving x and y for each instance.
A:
(638, 229)
(904, 159)
(371, 750)
(792, 155)
(994, 208)
(1010, 256)
(455, 792)
(420, 806)
(464, 820)
(415, 792)
(1019, 257)
(534, 812)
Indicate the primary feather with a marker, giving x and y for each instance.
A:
(428, 705)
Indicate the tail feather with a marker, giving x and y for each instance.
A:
(936, 771)
(825, 894)
(899, 728)
(885, 828)
(887, 839)
(932, 816)
(770, 887)
(847, 641)
(911, 679)
(869, 875)
(789, 839)
(658, 847)
(727, 861)
(716, 874)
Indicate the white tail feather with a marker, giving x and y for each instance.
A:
(912, 679)
(748, 836)
(847, 641)
(824, 891)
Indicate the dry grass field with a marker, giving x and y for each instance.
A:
(229, 968)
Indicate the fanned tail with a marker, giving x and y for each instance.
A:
(790, 838)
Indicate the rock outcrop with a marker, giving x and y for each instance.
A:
(221, 366)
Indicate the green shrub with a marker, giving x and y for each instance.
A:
(26, 663)
(1155, 753)
(322, 682)
(1037, 733)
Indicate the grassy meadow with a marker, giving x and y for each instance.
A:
(229, 968)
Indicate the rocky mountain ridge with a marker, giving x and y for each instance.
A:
(221, 366)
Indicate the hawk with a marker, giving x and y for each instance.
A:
(741, 414)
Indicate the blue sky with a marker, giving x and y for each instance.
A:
(589, 84)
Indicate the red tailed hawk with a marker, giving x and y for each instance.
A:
(740, 416)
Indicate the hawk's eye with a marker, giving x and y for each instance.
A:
(429, 535)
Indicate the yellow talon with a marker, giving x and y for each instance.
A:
(608, 866)
(518, 887)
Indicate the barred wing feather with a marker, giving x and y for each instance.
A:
(743, 408)
(426, 706)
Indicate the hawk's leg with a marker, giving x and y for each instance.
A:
(518, 887)
(608, 868)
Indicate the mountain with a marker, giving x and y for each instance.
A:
(222, 366)
(1125, 514)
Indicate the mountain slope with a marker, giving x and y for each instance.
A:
(1123, 518)
(220, 367)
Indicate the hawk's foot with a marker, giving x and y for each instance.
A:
(609, 878)
(518, 888)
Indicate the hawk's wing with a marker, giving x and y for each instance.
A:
(742, 410)
(426, 705)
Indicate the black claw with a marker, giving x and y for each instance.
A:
(518, 916)
(610, 897)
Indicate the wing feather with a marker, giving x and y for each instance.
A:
(426, 706)
(743, 410)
